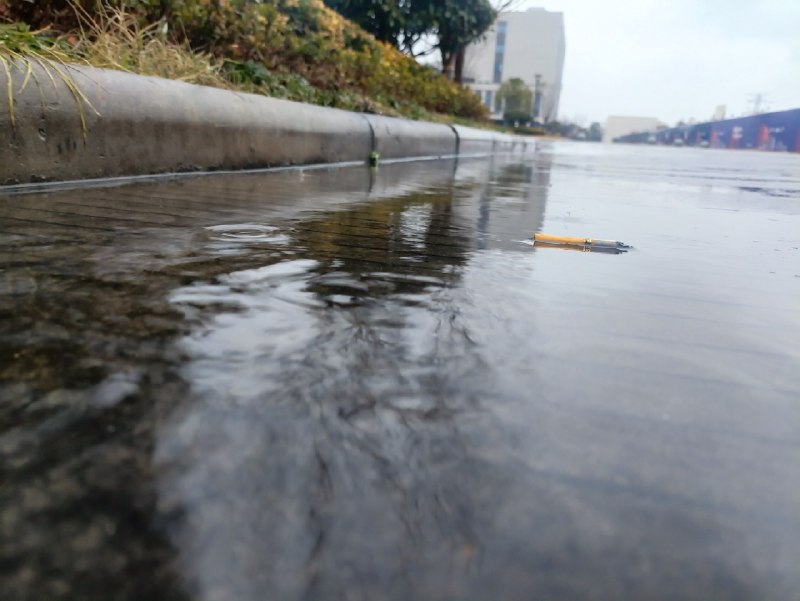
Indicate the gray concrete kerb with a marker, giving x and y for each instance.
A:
(140, 125)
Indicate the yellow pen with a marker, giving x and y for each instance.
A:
(575, 241)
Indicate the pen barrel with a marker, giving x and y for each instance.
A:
(575, 241)
(548, 239)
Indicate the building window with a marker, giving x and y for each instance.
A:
(499, 51)
(488, 101)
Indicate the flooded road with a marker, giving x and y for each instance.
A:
(344, 384)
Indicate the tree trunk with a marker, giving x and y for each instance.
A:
(448, 64)
(459, 66)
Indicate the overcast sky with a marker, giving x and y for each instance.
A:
(677, 59)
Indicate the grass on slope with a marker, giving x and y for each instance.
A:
(295, 49)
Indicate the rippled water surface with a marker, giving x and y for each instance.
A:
(356, 385)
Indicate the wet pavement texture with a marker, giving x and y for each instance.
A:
(367, 385)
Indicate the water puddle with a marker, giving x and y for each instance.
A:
(366, 385)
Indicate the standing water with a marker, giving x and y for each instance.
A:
(344, 384)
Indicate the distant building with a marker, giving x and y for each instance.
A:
(719, 113)
(778, 131)
(529, 45)
(617, 126)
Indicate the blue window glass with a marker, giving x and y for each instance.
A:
(499, 51)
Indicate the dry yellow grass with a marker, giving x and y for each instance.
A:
(25, 52)
(114, 39)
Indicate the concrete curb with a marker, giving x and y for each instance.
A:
(403, 138)
(147, 125)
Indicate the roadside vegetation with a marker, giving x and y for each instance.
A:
(294, 49)
(517, 99)
(419, 27)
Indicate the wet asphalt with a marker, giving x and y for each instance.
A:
(366, 384)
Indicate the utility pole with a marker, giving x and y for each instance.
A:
(537, 96)
(756, 100)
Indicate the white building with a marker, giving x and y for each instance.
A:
(529, 45)
(617, 126)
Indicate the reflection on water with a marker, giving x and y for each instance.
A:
(337, 386)
(360, 385)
